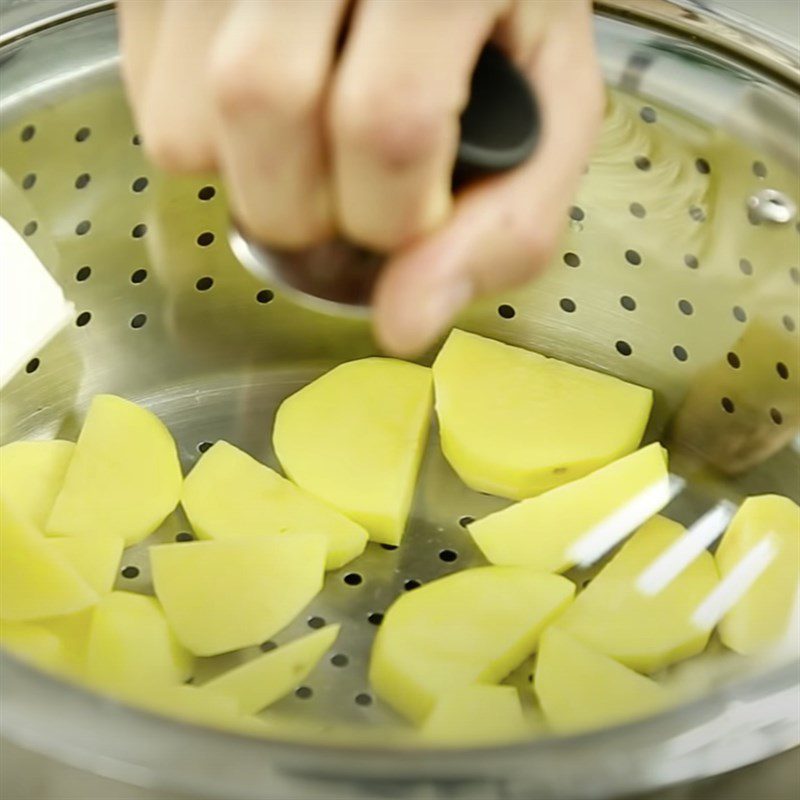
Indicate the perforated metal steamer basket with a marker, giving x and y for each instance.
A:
(679, 270)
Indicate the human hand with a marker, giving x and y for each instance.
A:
(312, 141)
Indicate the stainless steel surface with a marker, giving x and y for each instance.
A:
(779, 779)
(713, 25)
(333, 277)
(665, 277)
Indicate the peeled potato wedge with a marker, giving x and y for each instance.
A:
(514, 423)
(73, 632)
(131, 648)
(541, 532)
(32, 642)
(225, 595)
(645, 632)
(254, 685)
(32, 473)
(124, 477)
(579, 688)
(190, 704)
(228, 493)
(470, 627)
(476, 715)
(95, 559)
(762, 615)
(36, 581)
(355, 438)
(57, 644)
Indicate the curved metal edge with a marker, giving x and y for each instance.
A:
(256, 261)
(16, 25)
(191, 757)
(675, 16)
(706, 25)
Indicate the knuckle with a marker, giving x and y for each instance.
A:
(511, 254)
(369, 234)
(244, 84)
(174, 152)
(399, 128)
(290, 233)
(535, 243)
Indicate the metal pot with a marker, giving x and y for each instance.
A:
(679, 271)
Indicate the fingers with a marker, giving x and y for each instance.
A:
(138, 28)
(393, 116)
(174, 107)
(520, 32)
(270, 69)
(503, 231)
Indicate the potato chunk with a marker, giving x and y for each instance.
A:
(96, 559)
(230, 494)
(471, 627)
(32, 473)
(541, 532)
(355, 438)
(476, 715)
(763, 613)
(515, 424)
(579, 688)
(225, 595)
(36, 581)
(190, 704)
(124, 477)
(73, 631)
(33, 642)
(615, 616)
(131, 649)
(260, 682)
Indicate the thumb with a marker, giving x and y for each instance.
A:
(487, 245)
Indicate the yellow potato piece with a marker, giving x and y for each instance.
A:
(476, 715)
(515, 424)
(645, 632)
(224, 595)
(229, 494)
(131, 648)
(190, 704)
(57, 644)
(33, 642)
(540, 532)
(355, 438)
(471, 627)
(73, 631)
(96, 559)
(31, 473)
(763, 614)
(258, 683)
(35, 580)
(579, 688)
(124, 477)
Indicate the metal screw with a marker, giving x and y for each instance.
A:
(770, 205)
